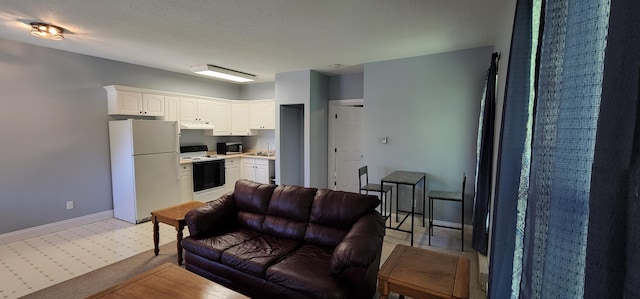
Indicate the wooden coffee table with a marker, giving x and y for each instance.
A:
(167, 281)
(173, 216)
(422, 273)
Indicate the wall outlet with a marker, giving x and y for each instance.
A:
(69, 205)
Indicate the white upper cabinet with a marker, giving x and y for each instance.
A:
(172, 110)
(196, 110)
(263, 115)
(229, 117)
(240, 113)
(125, 102)
(152, 105)
(221, 118)
(205, 110)
(128, 102)
(188, 109)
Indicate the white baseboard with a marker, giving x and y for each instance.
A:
(40, 230)
(483, 271)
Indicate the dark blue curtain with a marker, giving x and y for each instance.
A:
(613, 243)
(565, 220)
(513, 133)
(484, 169)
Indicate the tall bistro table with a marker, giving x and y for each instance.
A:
(408, 178)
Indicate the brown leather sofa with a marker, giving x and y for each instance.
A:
(269, 241)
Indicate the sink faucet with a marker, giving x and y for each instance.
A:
(268, 150)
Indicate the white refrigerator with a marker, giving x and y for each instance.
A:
(145, 167)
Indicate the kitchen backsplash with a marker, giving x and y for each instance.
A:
(257, 142)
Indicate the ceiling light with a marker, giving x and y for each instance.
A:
(222, 73)
(47, 31)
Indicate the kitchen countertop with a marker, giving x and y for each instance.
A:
(245, 155)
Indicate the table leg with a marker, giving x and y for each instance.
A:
(430, 229)
(413, 211)
(179, 238)
(383, 289)
(397, 192)
(156, 235)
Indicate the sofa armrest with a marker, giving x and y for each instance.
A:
(361, 246)
(213, 216)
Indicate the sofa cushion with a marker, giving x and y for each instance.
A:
(252, 201)
(307, 270)
(288, 212)
(214, 217)
(361, 246)
(212, 247)
(256, 255)
(333, 213)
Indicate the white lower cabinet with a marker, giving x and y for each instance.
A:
(256, 169)
(186, 182)
(231, 173)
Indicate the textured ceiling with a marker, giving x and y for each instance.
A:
(261, 37)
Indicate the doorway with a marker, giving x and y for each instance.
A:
(292, 145)
(345, 144)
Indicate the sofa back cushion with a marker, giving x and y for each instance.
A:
(333, 213)
(252, 201)
(288, 212)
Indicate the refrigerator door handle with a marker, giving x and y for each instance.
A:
(178, 170)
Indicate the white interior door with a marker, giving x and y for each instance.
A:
(347, 143)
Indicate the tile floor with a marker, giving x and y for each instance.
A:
(33, 264)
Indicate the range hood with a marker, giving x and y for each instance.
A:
(196, 126)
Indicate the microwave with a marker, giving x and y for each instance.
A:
(229, 148)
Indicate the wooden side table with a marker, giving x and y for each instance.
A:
(423, 273)
(173, 216)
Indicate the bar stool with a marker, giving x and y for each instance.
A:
(383, 190)
(447, 196)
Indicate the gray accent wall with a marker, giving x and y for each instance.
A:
(310, 90)
(258, 91)
(318, 138)
(346, 87)
(428, 107)
(53, 125)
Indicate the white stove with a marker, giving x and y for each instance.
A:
(197, 153)
(208, 171)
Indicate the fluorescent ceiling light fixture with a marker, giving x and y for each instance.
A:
(47, 31)
(222, 73)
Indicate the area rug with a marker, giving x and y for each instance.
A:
(105, 277)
